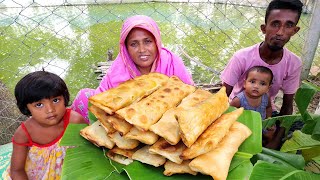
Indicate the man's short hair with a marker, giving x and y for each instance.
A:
(294, 5)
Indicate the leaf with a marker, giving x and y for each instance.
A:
(263, 170)
(117, 176)
(316, 131)
(252, 120)
(285, 159)
(237, 160)
(299, 141)
(304, 95)
(72, 136)
(311, 153)
(285, 121)
(86, 162)
(242, 171)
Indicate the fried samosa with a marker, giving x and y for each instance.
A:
(128, 92)
(144, 156)
(146, 137)
(194, 120)
(174, 168)
(168, 127)
(149, 110)
(122, 142)
(216, 163)
(96, 134)
(165, 149)
(122, 156)
(102, 117)
(122, 126)
(210, 138)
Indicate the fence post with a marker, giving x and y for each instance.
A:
(311, 41)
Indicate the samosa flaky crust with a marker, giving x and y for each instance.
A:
(195, 120)
(210, 138)
(216, 163)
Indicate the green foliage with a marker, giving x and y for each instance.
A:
(263, 170)
(284, 159)
(307, 140)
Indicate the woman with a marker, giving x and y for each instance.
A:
(141, 52)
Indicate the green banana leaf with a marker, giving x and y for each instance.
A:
(311, 121)
(88, 166)
(252, 120)
(86, 157)
(311, 153)
(285, 121)
(312, 125)
(243, 171)
(263, 170)
(299, 141)
(73, 136)
(304, 95)
(277, 157)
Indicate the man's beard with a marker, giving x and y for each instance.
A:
(274, 47)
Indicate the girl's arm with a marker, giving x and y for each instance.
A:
(19, 156)
(269, 109)
(235, 102)
(76, 118)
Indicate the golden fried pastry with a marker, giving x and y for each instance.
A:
(128, 92)
(210, 138)
(194, 120)
(122, 126)
(174, 168)
(171, 152)
(122, 142)
(122, 156)
(146, 137)
(144, 156)
(96, 134)
(216, 163)
(102, 117)
(168, 127)
(149, 110)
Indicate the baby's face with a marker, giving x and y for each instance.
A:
(257, 83)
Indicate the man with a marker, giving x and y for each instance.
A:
(281, 21)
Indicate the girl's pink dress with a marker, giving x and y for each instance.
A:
(123, 67)
(44, 161)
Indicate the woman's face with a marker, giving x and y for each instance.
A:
(142, 49)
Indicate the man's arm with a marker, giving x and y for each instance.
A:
(228, 88)
(287, 105)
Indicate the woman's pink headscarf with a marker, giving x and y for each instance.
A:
(123, 67)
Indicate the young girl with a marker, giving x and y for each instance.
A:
(254, 96)
(36, 152)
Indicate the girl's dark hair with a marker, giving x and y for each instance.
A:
(39, 85)
(261, 69)
(294, 5)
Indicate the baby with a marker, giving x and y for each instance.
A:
(255, 88)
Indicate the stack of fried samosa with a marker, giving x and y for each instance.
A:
(160, 120)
